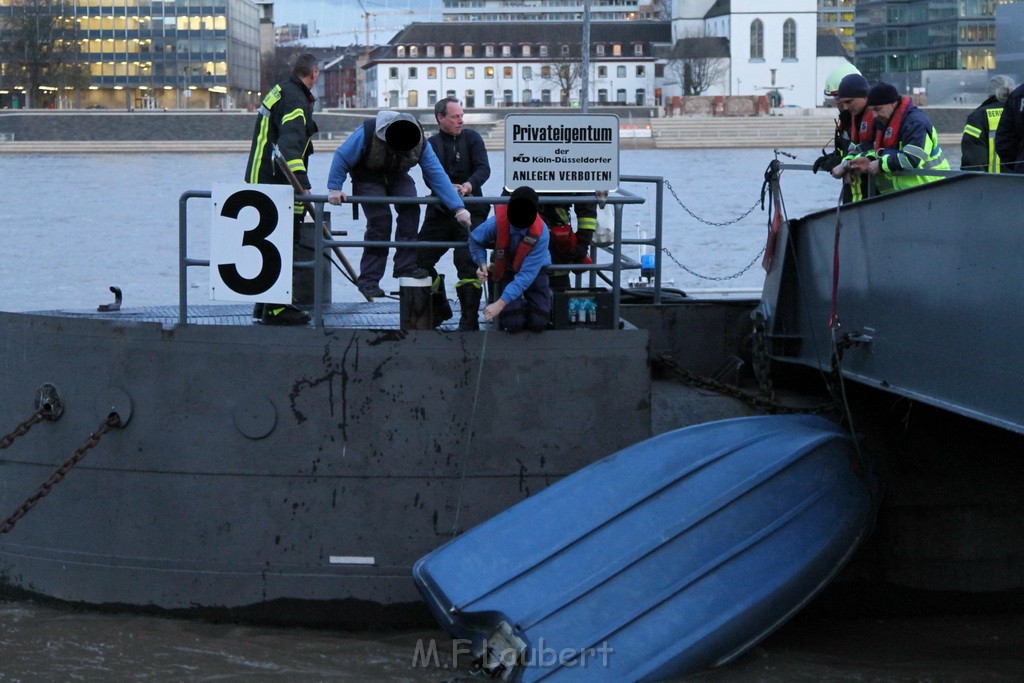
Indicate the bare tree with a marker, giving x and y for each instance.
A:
(276, 65)
(565, 71)
(698, 62)
(39, 48)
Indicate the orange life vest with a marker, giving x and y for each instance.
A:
(502, 239)
(864, 131)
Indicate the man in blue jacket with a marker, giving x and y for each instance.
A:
(520, 241)
(378, 155)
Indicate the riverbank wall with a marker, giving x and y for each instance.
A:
(146, 131)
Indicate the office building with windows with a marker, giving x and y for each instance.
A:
(139, 54)
(908, 36)
(838, 18)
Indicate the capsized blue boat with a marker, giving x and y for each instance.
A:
(673, 555)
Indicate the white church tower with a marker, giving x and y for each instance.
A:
(772, 45)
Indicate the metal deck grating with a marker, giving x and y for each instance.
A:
(375, 315)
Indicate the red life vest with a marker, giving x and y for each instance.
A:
(864, 131)
(888, 137)
(501, 242)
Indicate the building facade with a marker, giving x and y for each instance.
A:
(147, 53)
(838, 18)
(772, 47)
(899, 37)
(546, 10)
(514, 65)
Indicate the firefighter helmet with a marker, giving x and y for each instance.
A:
(836, 76)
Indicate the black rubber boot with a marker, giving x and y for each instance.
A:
(440, 309)
(469, 301)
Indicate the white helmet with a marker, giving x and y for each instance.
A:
(836, 76)
(1000, 87)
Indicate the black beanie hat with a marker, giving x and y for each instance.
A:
(402, 135)
(883, 93)
(853, 85)
(522, 207)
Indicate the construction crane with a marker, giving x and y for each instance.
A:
(366, 18)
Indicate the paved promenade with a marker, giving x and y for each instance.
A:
(38, 132)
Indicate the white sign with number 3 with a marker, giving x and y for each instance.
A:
(251, 242)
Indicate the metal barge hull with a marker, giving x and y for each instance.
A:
(288, 475)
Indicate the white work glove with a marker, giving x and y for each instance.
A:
(335, 197)
(462, 216)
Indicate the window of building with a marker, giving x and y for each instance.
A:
(565, 50)
(392, 98)
(545, 96)
(431, 98)
(527, 73)
(400, 51)
(467, 50)
(527, 50)
(506, 71)
(414, 51)
(393, 72)
(507, 95)
(432, 72)
(413, 98)
(620, 96)
(638, 49)
(543, 49)
(789, 39)
(616, 50)
(757, 39)
(412, 72)
(620, 71)
(470, 98)
(545, 71)
(488, 50)
(488, 98)
(640, 71)
(447, 50)
(431, 50)
(449, 72)
(506, 50)
(470, 72)
(641, 97)
(602, 72)
(527, 96)
(488, 72)
(602, 96)
(599, 50)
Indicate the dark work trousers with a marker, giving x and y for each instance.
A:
(441, 226)
(378, 227)
(531, 311)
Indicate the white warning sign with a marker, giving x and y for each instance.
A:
(562, 152)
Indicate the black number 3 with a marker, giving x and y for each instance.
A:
(256, 237)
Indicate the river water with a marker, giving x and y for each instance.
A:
(75, 224)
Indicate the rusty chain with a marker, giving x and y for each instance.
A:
(113, 420)
(679, 201)
(22, 429)
(754, 400)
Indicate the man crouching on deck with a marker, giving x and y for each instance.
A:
(517, 231)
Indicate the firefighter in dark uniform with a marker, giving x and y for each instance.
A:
(567, 246)
(285, 119)
(1010, 134)
(978, 145)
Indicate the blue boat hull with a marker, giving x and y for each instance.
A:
(668, 557)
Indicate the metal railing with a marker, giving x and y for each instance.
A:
(610, 272)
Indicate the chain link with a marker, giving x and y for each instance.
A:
(679, 201)
(22, 429)
(717, 278)
(759, 402)
(762, 363)
(113, 420)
